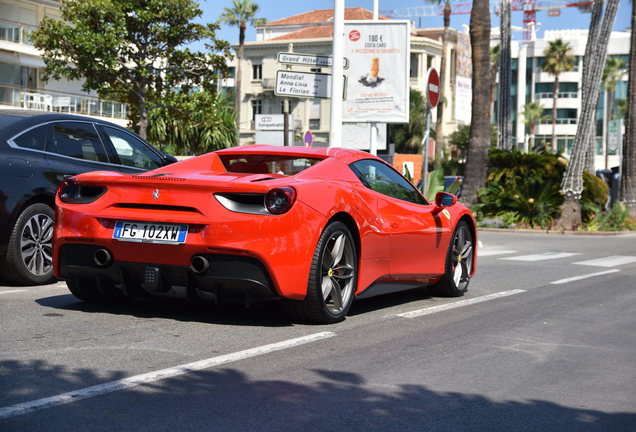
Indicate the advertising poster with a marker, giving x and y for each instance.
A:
(378, 74)
(464, 83)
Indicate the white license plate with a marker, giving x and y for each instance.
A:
(150, 232)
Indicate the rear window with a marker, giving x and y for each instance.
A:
(267, 164)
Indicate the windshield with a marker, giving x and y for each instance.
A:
(267, 164)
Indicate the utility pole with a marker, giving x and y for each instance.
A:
(290, 48)
(337, 78)
(374, 126)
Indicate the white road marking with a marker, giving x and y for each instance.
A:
(447, 306)
(541, 256)
(610, 261)
(112, 386)
(586, 276)
(12, 291)
(492, 252)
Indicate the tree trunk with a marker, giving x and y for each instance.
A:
(595, 20)
(142, 106)
(476, 161)
(628, 174)
(439, 124)
(505, 78)
(555, 98)
(237, 81)
(572, 184)
(608, 117)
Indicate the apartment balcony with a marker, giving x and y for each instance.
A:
(565, 100)
(16, 32)
(44, 100)
(564, 126)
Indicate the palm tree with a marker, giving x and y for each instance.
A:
(532, 114)
(240, 14)
(476, 168)
(613, 72)
(627, 193)
(595, 52)
(557, 60)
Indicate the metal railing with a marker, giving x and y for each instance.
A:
(44, 100)
(562, 95)
(16, 32)
(559, 121)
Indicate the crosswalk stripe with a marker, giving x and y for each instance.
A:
(610, 261)
(541, 256)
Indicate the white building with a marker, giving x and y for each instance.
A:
(21, 68)
(534, 85)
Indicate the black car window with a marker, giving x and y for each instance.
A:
(33, 139)
(132, 151)
(77, 140)
(383, 179)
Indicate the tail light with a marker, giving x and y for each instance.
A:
(72, 192)
(280, 200)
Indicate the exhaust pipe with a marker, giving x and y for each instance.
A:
(200, 264)
(102, 257)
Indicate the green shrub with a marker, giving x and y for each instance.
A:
(527, 185)
(616, 219)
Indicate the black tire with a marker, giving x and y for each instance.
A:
(29, 258)
(334, 265)
(459, 262)
(88, 291)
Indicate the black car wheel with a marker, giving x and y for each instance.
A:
(459, 263)
(29, 258)
(332, 278)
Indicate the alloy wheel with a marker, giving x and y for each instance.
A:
(36, 244)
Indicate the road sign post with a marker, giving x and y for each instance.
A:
(432, 96)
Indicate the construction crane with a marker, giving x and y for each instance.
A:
(529, 8)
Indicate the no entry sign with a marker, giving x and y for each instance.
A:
(432, 87)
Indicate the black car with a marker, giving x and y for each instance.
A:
(37, 151)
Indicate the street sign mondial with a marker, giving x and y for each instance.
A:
(307, 60)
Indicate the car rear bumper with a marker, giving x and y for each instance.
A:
(228, 278)
(283, 246)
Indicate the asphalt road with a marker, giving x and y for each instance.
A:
(545, 340)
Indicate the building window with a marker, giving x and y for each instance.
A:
(257, 108)
(257, 71)
(414, 65)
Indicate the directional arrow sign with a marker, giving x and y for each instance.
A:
(303, 84)
(307, 60)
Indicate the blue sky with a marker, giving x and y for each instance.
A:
(570, 18)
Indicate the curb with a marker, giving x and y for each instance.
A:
(558, 232)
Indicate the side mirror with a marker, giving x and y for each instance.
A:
(169, 159)
(444, 199)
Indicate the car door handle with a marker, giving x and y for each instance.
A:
(395, 225)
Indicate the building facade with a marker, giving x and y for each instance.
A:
(21, 68)
(531, 84)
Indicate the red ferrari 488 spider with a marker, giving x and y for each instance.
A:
(313, 227)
